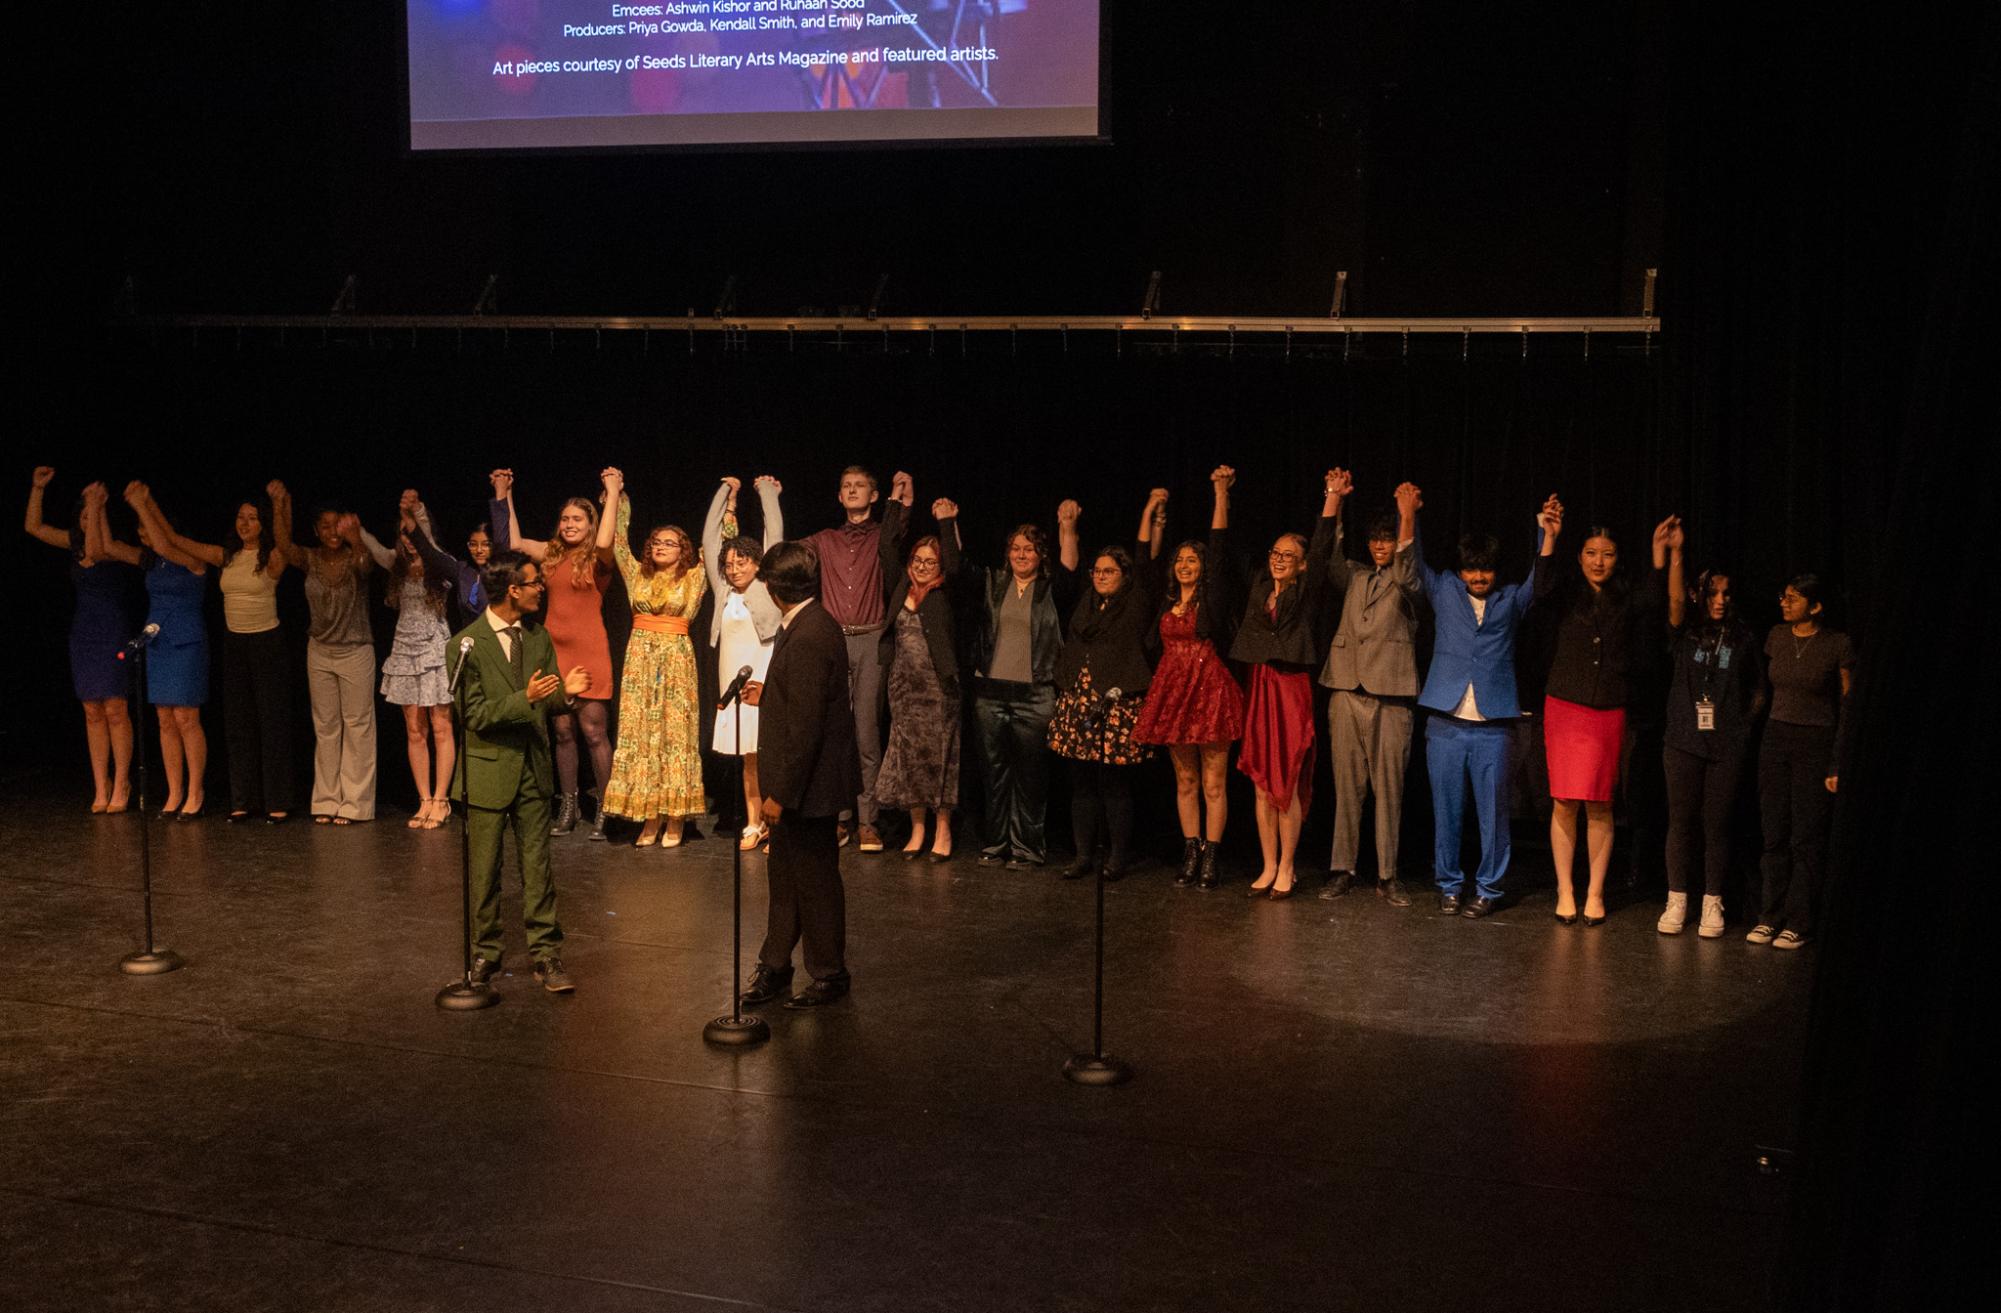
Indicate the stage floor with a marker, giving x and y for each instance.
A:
(1337, 1104)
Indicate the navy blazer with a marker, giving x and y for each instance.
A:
(1468, 651)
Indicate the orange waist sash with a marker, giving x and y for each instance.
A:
(659, 624)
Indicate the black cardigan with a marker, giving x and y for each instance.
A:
(1118, 640)
(1287, 638)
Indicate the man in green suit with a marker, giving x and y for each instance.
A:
(507, 690)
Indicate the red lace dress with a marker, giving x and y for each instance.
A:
(1193, 697)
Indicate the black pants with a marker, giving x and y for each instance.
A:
(807, 900)
(1701, 794)
(1101, 807)
(1012, 722)
(257, 721)
(1797, 811)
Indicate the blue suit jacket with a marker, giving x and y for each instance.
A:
(1481, 653)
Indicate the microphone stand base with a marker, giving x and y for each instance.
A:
(154, 962)
(1096, 1069)
(464, 996)
(736, 1032)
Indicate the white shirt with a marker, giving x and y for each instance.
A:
(785, 621)
(500, 628)
(1468, 709)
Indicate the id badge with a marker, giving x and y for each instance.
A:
(1705, 715)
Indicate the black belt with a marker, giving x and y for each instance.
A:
(856, 631)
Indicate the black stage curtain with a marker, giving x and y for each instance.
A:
(1832, 239)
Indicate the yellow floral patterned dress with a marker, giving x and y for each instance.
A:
(657, 770)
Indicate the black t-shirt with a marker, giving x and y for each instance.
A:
(1723, 666)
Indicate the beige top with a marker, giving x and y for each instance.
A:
(249, 596)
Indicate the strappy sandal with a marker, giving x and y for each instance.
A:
(430, 822)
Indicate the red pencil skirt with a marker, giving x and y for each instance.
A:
(1582, 745)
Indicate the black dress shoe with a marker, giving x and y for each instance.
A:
(1391, 891)
(1115, 869)
(1080, 868)
(484, 970)
(1337, 885)
(993, 857)
(1448, 904)
(937, 858)
(910, 854)
(1019, 863)
(1590, 920)
(820, 993)
(1479, 906)
(765, 984)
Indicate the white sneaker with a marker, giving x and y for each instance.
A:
(1712, 917)
(1675, 917)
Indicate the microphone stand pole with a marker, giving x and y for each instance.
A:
(463, 995)
(153, 960)
(736, 1030)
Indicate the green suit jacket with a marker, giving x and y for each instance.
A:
(506, 736)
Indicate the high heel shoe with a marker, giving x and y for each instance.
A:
(1590, 920)
(1261, 886)
(937, 858)
(911, 854)
(1278, 895)
(1561, 919)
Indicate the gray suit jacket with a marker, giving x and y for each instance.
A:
(1375, 647)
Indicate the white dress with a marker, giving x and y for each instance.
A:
(739, 647)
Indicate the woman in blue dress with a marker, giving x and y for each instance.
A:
(96, 637)
(177, 658)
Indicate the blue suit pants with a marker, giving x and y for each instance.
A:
(1463, 757)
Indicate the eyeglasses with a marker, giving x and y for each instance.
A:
(1106, 571)
(532, 583)
(1283, 556)
(929, 563)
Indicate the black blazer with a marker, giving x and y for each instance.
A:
(1119, 641)
(806, 758)
(986, 589)
(941, 632)
(1287, 639)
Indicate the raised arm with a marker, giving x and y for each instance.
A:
(504, 515)
(1221, 480)
(1068, 553)
(38, 485)
(614, 531)
(1667, 555)
(284, 551)
(166, 543)
(946, 512)
(721, 505)
(768, 489)
(1320, 549)
(1406, 565)
(1152, 524)
(1549, 525)
(97, 540)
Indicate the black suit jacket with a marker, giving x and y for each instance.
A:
(806, 759)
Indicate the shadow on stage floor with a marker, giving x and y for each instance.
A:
(1337, 1104)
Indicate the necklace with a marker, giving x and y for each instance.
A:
(1799, 645)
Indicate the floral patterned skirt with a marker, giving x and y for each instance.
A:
(657, 768)
(1086, 729)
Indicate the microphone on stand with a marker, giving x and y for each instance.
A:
(735, 690)
(465, 650)
(1096, 719)
(144, 638)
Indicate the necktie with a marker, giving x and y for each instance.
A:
(515, 657)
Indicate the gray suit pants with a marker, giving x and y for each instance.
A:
(865, 675)
(1371, 751)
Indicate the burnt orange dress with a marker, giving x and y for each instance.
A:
(573, 613)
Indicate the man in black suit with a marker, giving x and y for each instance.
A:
(808, 766)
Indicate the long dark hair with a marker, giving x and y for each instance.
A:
(1617, 586)
(1209, 619)
(266, 544)
(1730, 631)
(399, 572)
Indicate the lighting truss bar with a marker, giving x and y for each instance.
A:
(739, 324)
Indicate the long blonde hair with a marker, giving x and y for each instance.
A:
(584, 564)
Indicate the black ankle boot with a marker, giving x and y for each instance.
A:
(597, 826)
(1208, 878)
(566, 814)
(1191, 860)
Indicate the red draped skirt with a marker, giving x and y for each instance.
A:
(1278, 736)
